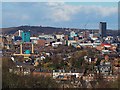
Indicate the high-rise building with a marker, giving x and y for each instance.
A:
(20, 33)
(102, 29)
(26, 36)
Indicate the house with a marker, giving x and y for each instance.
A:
(22, 69)
(45, 74)
(63, 74)
(105, 68)
(76, 45)
(48, 54)
(42, 57)
(69, 42)
(88, 78)
(43, 36)
(106, 45)
(106, 51)
(59, 36)
(36, 63)
(111, 77)
(55, 44)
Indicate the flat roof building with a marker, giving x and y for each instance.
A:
(102, 29)
(26, 36)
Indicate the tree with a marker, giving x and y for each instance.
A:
(11, 80)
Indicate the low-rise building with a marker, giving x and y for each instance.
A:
(69, 42)
(55, 44)
(44, 74)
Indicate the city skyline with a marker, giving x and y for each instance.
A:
(60, 14)
(60, 44)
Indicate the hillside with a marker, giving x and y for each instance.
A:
(50, 30)
(33, 29)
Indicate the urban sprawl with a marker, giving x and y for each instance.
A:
(73, 60)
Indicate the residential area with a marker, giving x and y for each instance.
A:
(76, 59)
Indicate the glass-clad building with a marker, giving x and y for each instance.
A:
(26, 36)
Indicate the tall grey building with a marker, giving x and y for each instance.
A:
(102, 29)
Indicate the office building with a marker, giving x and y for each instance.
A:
(26, 36)
(20, 33)
(102, 29)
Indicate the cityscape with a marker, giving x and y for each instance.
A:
(60, 57)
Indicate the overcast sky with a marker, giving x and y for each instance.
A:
(60, 14)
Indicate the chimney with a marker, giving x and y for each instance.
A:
(32, 48)
(21, 49)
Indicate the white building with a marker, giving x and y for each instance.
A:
(34, 38)
(60, 36)
(46, 36)
(69, 42)
(56, 74)
(20, 33)
(56, 44)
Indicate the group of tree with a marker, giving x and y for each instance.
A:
(12, 80)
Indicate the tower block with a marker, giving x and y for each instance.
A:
(21, 49)
(32, 48)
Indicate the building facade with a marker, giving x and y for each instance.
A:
(102, 29)
(26, 36)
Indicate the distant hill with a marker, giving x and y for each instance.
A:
(35, 30)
